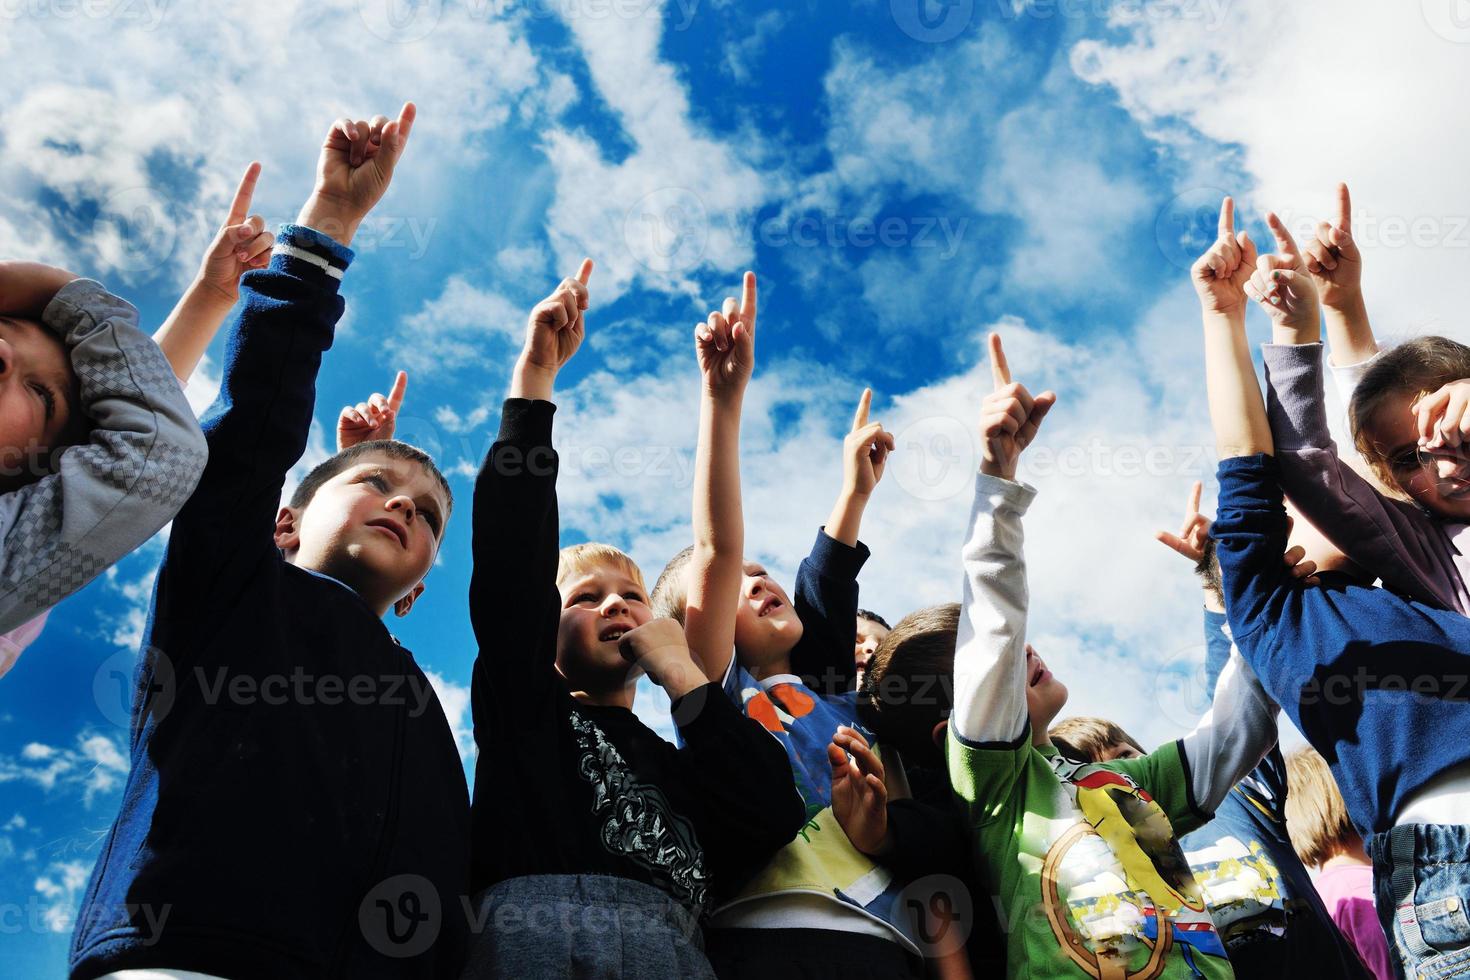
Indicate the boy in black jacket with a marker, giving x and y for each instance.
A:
(612, 845)
(296, 805)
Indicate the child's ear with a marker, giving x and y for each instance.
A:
(938, 733)
(288, 529)
(402, 606)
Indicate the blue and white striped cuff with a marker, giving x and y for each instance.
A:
(312, 247)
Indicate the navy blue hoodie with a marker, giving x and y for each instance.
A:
(296, 805)
(1377, 683)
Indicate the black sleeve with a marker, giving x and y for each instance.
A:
(827, 604)
(927, 840)
(750, 806)
(516, 693)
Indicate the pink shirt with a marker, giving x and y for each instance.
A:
(1347, 891)
(12, 643)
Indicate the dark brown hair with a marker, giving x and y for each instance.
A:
(909, 686)
(1419, 367)
(347, 458)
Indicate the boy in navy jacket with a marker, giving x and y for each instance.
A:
(296, 805)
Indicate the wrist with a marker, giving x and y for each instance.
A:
(676, 673)
(1231, 320)
(997, 470)
(725, 397)
(331, 217)
(531, 380)
(208, 297)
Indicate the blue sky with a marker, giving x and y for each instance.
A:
(902, 174)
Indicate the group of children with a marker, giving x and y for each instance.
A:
(844, 798)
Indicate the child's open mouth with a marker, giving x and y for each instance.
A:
(399, 534)
(613, 633)
(767, 607)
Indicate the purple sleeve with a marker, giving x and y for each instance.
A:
(1391, 539)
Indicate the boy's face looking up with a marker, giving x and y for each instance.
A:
(1045, 695)
(766, 624)
(38, 398)
(375, 526)
(599, 603)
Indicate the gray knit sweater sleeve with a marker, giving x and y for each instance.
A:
(108, 495)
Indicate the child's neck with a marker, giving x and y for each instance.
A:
(1347, 856)
(620, 698)
(772, 669)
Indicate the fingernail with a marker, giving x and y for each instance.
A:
(242, 256)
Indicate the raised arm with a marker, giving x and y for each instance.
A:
(103, 498)
(1336, 266)
(241, 244)
(826, 595)
(725, 343)
(515, 607)
(1221, 277)
(258, 427)
(990, 649)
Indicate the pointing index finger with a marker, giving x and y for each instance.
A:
(860, 417)
(748, 299)
(1194, 495)
(1344, 208)
(240, 207)
(395, 395)
(1227, 218)
(585, 271)
(1000, 371)
(1284, 242)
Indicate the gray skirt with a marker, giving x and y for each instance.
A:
(593, 926)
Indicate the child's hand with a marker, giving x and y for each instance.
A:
(865, 450)
(1333, 259)
(1284, 288)
(1190, 541)
(373, 419)
(1220, 275)
(353, 172)
(1009, 417)
(660, 649)
(240, 245)
(1443, 418)
(725, 343)
(554, 331)
(859, 796)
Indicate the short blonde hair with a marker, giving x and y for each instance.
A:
(580, 558)
(1088, 739)
(1316, 816)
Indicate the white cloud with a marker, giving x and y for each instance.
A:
(1311, 100)
(162, 166)
(61, 886)
(96, 766)
(464, 327)
(455, 699)
(674, 206)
